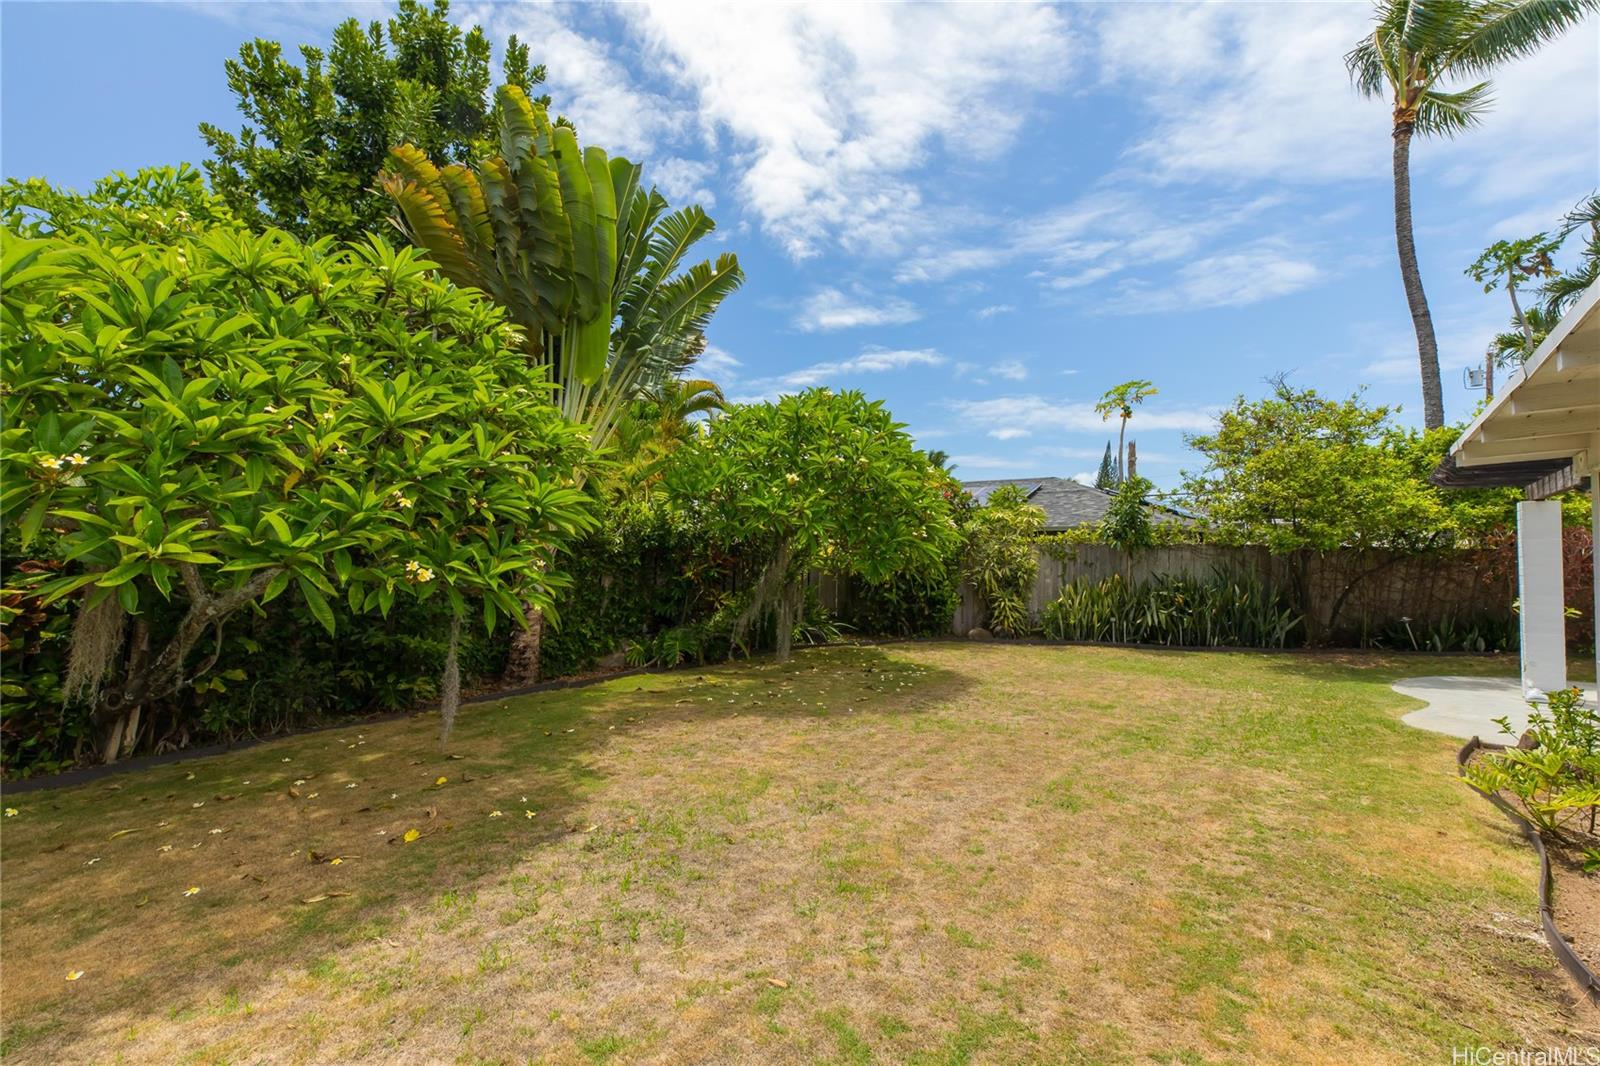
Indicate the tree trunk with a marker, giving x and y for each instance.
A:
(791, 609)
(522, 665)
(1122, 431)
(1522, 320)
(1411, 275)
(147, 681)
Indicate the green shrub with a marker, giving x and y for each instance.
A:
(1222, 611)
(632, 578)
(1000, 560)
(1556, 781)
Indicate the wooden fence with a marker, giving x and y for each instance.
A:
(1423, 588)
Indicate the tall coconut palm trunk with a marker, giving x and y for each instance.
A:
(1411, 276)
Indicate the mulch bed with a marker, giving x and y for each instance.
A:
(1569, 903)
(1575, 897)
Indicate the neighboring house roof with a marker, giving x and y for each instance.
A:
(1065, 503)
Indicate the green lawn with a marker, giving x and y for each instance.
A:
(930, 853)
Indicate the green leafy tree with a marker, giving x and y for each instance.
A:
(208, 424)
(817, 480)
(1120, 400)
(1304, 475)
(1127, 524)
(1416, 49)
(1507, 263)
(1105, 479)
(1000, 560)
(316, 135)
(158, 205)
(1560, 289)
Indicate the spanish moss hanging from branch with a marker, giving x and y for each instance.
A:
(97, 635)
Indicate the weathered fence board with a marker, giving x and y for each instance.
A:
(1423, 588)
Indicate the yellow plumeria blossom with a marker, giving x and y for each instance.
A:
(12, 812)
(496, 814)
(192, 890)
(529, 814)
(73, 975)
(50, 462)
(411, 834)
(441, 780)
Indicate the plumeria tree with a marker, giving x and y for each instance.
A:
(194, 428)
(818, 480)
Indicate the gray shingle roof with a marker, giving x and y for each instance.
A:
(1065, 503)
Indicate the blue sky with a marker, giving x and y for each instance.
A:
(983, 215)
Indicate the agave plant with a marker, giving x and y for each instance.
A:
(584, 259)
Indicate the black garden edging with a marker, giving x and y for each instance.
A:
(1570, 962)
(94, 773)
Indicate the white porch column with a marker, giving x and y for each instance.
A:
(1539, 586)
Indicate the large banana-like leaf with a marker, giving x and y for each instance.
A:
(584, 259)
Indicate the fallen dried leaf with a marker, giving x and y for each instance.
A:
(122, 833)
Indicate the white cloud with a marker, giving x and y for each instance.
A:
(1238, 277)
(1246, 92)
(1036, 414)
(994, 309)
(872, 360)
(1104, 233)
(683, 181)
(1085, 477)
(832, 108)
(588, 82)
(830, 309)
(1010, 369)
(717, 363)
(1008, 433)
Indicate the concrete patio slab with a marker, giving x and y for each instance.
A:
(1466, 707)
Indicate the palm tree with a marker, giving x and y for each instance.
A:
(1562, 289)
(1120, 400)
(652, 427)
(585, 260)
(1417, 46)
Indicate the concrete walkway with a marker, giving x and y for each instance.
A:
(1466, 707)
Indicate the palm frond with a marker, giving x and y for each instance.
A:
(1496, 31)
(1446, 114)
